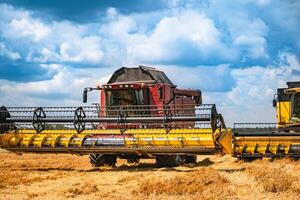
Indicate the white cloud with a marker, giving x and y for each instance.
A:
(119, 29)
(5, 52)
(111, 13)
(263, 2)
(249, 35)
(8, 12)
(65, 89)
(55, 42)
(86, 50)
(206, 78)
(258, 84)
(253, 88)
(255, 46)
(27, 28)
(171, 35)
(177, 36)
(250, 99)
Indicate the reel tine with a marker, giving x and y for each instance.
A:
(37, 120)
(78, 122)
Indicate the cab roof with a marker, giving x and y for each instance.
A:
(139, 74)
(293, 84)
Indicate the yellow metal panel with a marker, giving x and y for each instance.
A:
(64, 141)
(263, 143)
(37, 140)
(283, 110)
(261, 149)
(77, 140)
(170, 139)
(225, 141)
(26, 141)
(132, 137)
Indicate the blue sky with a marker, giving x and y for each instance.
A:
(236, 52)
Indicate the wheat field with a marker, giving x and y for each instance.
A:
(50, 176)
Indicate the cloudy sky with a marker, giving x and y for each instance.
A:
(236, 52)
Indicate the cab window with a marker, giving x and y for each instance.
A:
(296, 105)
(127, 97)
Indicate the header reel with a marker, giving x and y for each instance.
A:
(114, 117)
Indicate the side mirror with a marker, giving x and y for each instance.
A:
(274, 102)
(84, 95)
(85, 91)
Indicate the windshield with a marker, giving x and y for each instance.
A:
(296, 105)
(127, 97)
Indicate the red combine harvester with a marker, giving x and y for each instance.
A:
(141, 114)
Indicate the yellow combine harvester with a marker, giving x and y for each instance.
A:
(142, 114)
(279, 139)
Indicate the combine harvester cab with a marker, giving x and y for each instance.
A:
(141, 115)
(281, 139)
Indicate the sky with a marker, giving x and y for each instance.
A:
(237, 52)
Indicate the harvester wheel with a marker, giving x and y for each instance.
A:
(168, 160)
(190, 159)
(133, 160)
(98, 160)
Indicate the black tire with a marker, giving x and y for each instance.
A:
(98, 160)
(169, 160)
(133, 160)
(190, 159)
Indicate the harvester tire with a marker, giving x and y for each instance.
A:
(190, 159)
(133, 160)
(168, 160)
(98, 160)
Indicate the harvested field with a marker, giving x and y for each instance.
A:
(213, 177)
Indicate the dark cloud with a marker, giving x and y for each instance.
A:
(280, 18)
(24, 72)
(83, 11)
